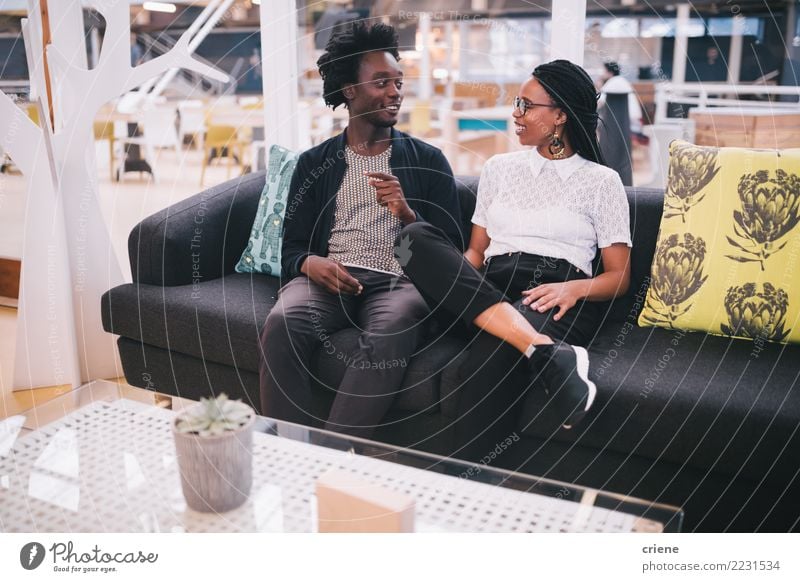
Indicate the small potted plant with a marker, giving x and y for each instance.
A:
(214, 445)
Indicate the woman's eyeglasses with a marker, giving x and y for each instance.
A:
(521, 106)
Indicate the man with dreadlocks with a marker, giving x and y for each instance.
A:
(526, 279)
(348, 200)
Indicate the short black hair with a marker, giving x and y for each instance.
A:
(612, 68)
(339, 63)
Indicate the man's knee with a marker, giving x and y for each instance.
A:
(283, 323)
(404, 308)
(413, 242)
(395, 330)
(416, 232)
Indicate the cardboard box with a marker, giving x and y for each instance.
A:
(346, 503)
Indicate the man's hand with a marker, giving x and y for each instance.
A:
(549, 295)
(389, 193)
(330, 275)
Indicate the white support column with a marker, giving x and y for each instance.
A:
(681, 44)
(425, 80)
(735, 56)
(463, 34)
(568, 30)
(279, 66)
(450, 39)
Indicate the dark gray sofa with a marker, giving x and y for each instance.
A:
(691, 419)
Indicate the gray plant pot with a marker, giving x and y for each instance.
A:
(216, 472)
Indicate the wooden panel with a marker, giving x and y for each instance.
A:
(729, 129)
(486, 93)
(781, 122)
(46, 40)
(23, 400)
(9, 278)
(646, 94)
(511, 90)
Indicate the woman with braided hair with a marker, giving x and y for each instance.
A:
(526, 281)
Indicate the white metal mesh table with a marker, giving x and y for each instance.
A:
(110, 466)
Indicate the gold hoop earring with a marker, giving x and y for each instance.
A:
(557, 146)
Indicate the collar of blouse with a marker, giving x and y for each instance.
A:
(565, 167)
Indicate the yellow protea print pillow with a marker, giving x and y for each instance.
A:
(727, 259)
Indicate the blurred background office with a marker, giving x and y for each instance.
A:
(706, 71)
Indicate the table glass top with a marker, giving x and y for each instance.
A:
(102, 458)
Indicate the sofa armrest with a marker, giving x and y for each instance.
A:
(197, 239)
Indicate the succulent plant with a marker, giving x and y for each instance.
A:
(214, 416)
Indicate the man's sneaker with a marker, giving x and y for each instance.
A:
(565, 370)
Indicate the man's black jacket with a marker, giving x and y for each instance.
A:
(424, 174)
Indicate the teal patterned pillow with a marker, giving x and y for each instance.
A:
(263, 252)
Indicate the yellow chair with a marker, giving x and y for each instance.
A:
(419, 120)
(105, 130)
(5, 160)
(256, 105)
(225, 140)
(33, 113)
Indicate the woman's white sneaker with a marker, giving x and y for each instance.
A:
(565, 369)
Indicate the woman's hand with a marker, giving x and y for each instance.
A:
(550, 295)
(613, 282)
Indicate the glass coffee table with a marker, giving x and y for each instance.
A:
(102, 458)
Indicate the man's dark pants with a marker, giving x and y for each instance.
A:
(390, 315)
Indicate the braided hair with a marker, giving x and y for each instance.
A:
(571, 88)
(338, 66)
(612, 68)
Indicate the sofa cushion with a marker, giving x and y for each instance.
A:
(199, 238)
(263, 251)
(715, 403)
(171, 372)
(727, 246)
(219, 320)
